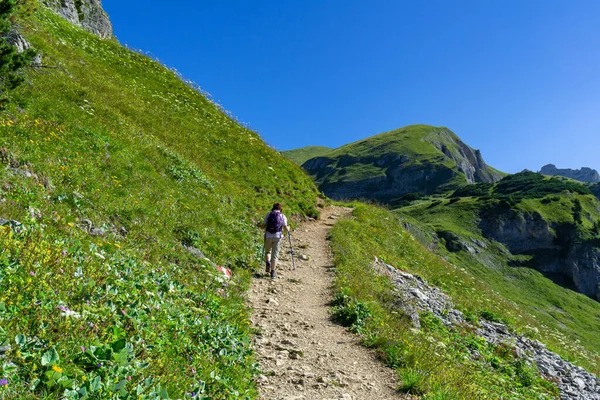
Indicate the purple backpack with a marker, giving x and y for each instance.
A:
(274, 222)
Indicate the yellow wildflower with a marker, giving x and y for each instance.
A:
(56, 368)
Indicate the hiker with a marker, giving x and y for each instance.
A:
(275, 221)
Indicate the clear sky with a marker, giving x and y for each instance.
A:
(517, 79)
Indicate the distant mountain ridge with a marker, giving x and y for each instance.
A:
(584, 174)
(416, 158)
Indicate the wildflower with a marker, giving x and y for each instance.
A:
(82, 349)
(31, 273)
(56, 368)
(123, 312)
(3, 382)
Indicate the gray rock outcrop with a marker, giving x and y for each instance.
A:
(16, 39)
(468, 160)
(414, 295)
(584, 174)
(87, 14)
(555, 249)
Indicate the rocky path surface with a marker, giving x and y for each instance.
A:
(303, 355)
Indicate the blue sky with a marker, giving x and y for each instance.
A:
(517, 79)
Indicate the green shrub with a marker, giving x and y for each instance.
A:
(350, 313)
(412, 381)
(526, 373)
(492, 317)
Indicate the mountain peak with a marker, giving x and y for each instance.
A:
(415, 158)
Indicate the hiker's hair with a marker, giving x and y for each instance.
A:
(276, 206)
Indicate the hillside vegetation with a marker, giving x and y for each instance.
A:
(414, 159)
(300, 156)
(111, 163)
(435, 361)
(557, 219)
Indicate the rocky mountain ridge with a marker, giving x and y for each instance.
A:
(584, 174)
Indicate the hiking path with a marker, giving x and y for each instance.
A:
(301, 352)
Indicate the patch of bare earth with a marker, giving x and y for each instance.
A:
(302, 353)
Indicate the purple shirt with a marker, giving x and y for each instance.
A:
(277, 235)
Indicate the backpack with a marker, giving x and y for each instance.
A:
(274, 222)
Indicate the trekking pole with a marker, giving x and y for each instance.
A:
(292, 251)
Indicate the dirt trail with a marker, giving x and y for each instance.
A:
(302, 354)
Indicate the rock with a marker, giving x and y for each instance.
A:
(87, 14)
(9, 222)
(17, 40)
(295, 354)
(22, 172)
(304, 257)
(198, 254)
(272, 301)
(418, 294)
(413, 295)
(580, 383)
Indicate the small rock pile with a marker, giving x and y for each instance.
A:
(414, 295)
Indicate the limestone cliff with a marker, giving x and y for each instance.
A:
(87, 14)
(555, 249)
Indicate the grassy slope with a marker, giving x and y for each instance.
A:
(118, 141)
(407, 141)
(434, 361)
(300, 156)
(565, 317)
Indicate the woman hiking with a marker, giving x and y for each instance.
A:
(275, 221)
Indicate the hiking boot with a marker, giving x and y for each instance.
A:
(268, 268)
(273, 274)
